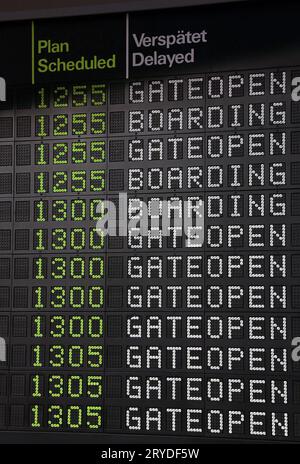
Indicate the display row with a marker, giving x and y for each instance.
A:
(227, 85)
(275, 114)
(263, 146)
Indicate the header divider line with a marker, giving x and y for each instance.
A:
(32, 54)
(127, 45)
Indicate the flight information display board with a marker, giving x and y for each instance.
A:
(188, 122)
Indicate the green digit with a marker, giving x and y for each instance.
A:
(41, 154)
(97, 181)
(78, 210)
(57, 326)
(60, 182)
(40, 239)
(96, 267)
(56, 386)
(58, 268)
(95, 327)
(96, 297)
(40, 211)
(42, 126)
(35, 423)
(77, 297)
(37, 356)
(76, 327)
(60, 125)
(60, 153)
(96, 239)
(79, 124)
(59, 239)
(78, 181)
(98, 94)
(39, 268)
(37, 329)
(98, 154)
(77, 268)
(94, 383)
(39, 297)
(94, 412)
(36, 386)
(98, 123)
(59, 210)
(95, 358)
(79, 152)
(96, 209)
(78, 237)
(58, 353)
(61, 97)
(75, 386)
(58, 297)
(76, 356)
(79, 95)
(42, 98)
(41, 182)
(55, 419)
(74, 421)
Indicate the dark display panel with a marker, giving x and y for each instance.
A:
(184, 334)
